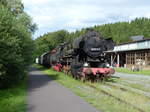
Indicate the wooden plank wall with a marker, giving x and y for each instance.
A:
(138, 58)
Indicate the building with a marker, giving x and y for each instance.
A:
(133, 54)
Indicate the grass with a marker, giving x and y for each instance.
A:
(13, 99)
(135, 85)
(98, 99)
(125, 70)
(130, 97)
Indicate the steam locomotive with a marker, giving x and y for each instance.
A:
(85, 58)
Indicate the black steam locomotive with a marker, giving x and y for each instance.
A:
(85, 58)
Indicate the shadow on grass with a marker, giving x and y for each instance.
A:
(112, 79)
(54, 76)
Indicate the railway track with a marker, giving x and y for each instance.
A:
(115, 97)
(129, 89)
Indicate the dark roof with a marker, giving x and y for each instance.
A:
(134, 41)
(136, 38)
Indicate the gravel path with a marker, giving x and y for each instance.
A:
(45, 95)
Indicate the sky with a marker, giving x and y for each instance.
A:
(72, 15)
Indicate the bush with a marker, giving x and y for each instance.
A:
(15, 48)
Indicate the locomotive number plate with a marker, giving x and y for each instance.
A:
(95, 49)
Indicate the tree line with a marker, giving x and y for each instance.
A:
(16, 44)
(120, 32)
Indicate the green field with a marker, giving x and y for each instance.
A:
(13, 99)
(103, 96)
(125, 70)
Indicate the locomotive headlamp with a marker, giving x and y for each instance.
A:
(86, 64)
(107, 65)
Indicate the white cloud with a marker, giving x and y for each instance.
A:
(35, 2)
(52, 15)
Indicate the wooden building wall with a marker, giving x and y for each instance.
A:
(129, 59)
(138, 59)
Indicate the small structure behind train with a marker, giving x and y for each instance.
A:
(133, 55)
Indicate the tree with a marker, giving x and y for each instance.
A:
(16, 45)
